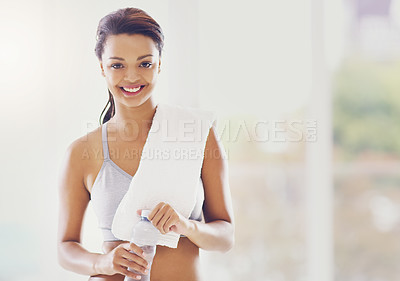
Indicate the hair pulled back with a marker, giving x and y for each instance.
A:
(125, 21)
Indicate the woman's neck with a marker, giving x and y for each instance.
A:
(131, 119)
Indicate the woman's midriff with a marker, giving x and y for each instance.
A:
(180, 264)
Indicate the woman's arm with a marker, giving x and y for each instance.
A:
(73, 201)
(217, 233)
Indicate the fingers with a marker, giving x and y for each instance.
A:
(163, 217)
(172, 221)
(134, 248)
(124, 256)
(134, 263)
(155, 210)
(160, 216)
(162, 224)
(134, 252)
(130, 274)
(133, 257)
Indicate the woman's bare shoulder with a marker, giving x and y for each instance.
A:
(82, 157)
(86, 147)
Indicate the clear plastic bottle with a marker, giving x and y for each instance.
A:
(145, 235)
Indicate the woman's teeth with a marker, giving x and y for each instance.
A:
(131, 90)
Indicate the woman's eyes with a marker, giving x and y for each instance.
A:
(146, 64)
(143, 64)
(116, 65)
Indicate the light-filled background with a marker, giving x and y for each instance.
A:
(306, 94)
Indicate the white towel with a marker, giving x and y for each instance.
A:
(169, 169)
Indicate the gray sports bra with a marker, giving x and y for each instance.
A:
(109, 188)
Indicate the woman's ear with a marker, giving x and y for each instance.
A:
(102, 69)
(159, 65)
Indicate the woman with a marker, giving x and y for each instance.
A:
(129, 47)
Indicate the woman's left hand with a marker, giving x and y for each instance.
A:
(166, 219)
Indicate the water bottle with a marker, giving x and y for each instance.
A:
(145, 235)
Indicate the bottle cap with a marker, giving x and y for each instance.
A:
(145, 213)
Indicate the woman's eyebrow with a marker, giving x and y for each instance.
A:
(139, 58)
(142, 57)
(115, 58)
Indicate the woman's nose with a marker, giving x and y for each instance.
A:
(131, 74)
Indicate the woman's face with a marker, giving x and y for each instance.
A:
(130, 64)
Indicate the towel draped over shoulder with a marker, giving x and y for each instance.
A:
(169, 169)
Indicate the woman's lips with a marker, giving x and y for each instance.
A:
(132, 90)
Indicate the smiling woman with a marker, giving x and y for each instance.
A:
(122, 47)
(129, 47)
(130, 63)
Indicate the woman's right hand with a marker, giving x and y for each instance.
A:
(120, 258)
